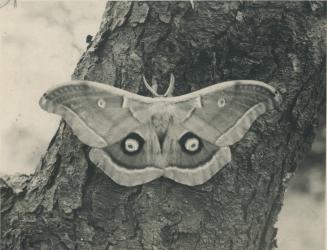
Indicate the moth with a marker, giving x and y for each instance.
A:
(135, 139)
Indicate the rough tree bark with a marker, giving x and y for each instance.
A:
(70, 204)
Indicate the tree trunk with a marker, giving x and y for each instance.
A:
(71, 204)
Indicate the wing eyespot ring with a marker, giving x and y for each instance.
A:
(132, 144)
(221, 102)
(101, 103)
(190, 143)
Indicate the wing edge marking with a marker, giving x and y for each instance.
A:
(238, 130)
(201, 174)
(121, 175)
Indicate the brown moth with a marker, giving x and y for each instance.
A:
(136, 139)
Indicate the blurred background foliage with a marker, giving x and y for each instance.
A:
(301, 223)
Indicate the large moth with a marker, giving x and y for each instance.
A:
(136, 139)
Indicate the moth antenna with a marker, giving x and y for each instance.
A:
(155, 86)
(153, 91)
(192, 3)
(171, 87)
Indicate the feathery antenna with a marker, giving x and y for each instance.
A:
(170, 90)
(153, 92)
(154, 87)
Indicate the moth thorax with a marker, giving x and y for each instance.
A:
(161, 122)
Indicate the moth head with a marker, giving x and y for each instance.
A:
(153, 88)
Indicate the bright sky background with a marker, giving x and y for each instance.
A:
(40, 45)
